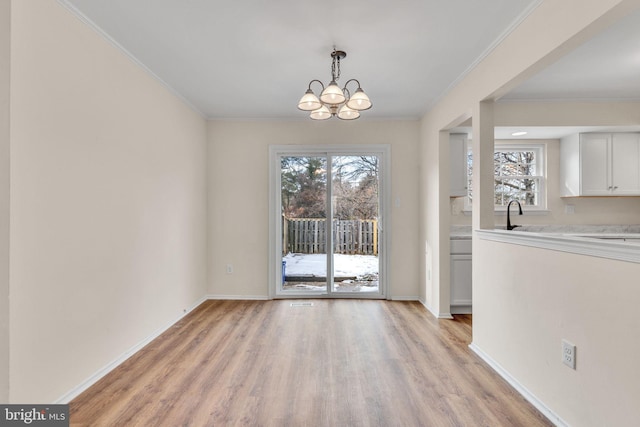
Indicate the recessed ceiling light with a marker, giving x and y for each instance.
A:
(518, 133)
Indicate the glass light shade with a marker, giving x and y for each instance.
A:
(309, 101)
(321, 113)
(359, 101)
(346, 113)
(332, 94)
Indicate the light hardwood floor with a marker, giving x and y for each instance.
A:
(336, 363)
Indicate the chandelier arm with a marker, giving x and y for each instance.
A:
(315, 80)
(352, 80)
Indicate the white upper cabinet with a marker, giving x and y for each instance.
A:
(600, 164)
(595, 164)
(625, 164)
(458, 164)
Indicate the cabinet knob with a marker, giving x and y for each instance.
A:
(615, 188)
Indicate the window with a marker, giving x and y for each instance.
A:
(519, 174)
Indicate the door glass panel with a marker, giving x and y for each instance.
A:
(304, 217)
(355, 206)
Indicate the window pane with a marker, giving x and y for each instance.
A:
(532, 169)
(515, 163)
(304, 182)
(511, 169)
(524, 190)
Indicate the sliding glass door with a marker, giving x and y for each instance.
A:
(327, 223)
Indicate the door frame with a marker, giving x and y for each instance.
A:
(275, 227)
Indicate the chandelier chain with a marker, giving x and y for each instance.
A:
(335, 67)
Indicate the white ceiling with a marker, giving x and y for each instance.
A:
(607, 67)
(254, 59)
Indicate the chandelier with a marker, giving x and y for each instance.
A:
(333, 100)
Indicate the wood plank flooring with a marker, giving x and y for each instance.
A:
(336, 363)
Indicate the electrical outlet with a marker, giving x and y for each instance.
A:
(569, 354)
(229, 268)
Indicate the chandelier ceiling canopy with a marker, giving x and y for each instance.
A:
(334, 101)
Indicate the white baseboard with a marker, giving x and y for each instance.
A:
(437, 315)
(540, 406)
(76, 391)
(239, 297)
(405, 298)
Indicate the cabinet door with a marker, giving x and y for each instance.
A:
(458, 164)
(625, 164)
(461, 280)
(594, 164)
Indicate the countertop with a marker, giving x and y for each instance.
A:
(464, 231)
(618, 242)
(581, 229)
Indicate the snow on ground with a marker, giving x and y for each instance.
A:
(344, 265)
(363, 267)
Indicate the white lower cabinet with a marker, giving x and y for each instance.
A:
(460, 265)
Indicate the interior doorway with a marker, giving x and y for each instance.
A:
(328, 209)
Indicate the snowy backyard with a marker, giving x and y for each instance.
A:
(353, 273)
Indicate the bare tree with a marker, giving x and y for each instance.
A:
(304, 181)
(355, 187)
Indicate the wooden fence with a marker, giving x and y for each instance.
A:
(309, 236)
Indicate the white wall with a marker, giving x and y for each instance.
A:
(239, 188)
(5, 39)
(434, 236)
(533, 299)
(108, 203)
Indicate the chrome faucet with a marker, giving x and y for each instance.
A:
(509, 226)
